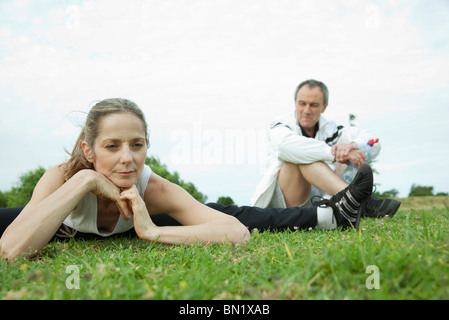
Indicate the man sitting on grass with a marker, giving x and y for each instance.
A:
(308, 154)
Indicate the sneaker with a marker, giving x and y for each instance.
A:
(378, 208)
(348, 203)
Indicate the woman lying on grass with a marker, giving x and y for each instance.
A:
(101, 188)
(105, 188)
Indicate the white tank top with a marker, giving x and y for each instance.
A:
(84, 217)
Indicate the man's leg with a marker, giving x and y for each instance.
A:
(375, 207)
(348, 203)
(340, 168)
(295, 181)
(271, 218)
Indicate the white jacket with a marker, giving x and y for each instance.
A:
(288, 144)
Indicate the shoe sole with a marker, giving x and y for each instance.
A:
(394, 206)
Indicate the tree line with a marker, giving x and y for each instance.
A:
(415, 191)
(20, 195)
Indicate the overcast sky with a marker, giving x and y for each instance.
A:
(211, 75)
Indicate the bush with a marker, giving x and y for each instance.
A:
(20, 195)
(393, 193)
(420, 191)
(161, 170)
(3, 200)
(227, 201)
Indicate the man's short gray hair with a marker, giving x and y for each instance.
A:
(312, 84)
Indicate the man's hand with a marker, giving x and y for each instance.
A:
(345, 153)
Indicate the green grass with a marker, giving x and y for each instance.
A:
(411, 251)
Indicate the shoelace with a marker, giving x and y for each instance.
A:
(347, 205)
(323, 202)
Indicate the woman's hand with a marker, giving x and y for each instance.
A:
(144, 226)
(104, 188)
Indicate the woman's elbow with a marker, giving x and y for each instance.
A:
(7, 253)
(11, 251)
(15, 254)
(245, 235)
(239, 233)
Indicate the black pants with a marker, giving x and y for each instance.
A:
(251, 217)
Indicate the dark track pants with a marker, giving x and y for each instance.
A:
(252, 217)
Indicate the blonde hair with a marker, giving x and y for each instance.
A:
(91, 128)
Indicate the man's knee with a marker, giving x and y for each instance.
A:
(292, 169)
(294, 187)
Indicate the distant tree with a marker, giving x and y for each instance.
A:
(393, 193)
(3, 200)
(227, 201)
(420, 191)
(352, 119)
(21, 194)
(161, 170)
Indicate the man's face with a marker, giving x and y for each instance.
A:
(309, 106)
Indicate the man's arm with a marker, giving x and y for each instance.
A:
(297, 149)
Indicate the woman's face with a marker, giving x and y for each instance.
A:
(120, 149)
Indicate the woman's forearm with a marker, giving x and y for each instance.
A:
(40, 220)
(200, 224)
(219, 231)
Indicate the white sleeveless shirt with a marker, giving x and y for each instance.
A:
(84, 217)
